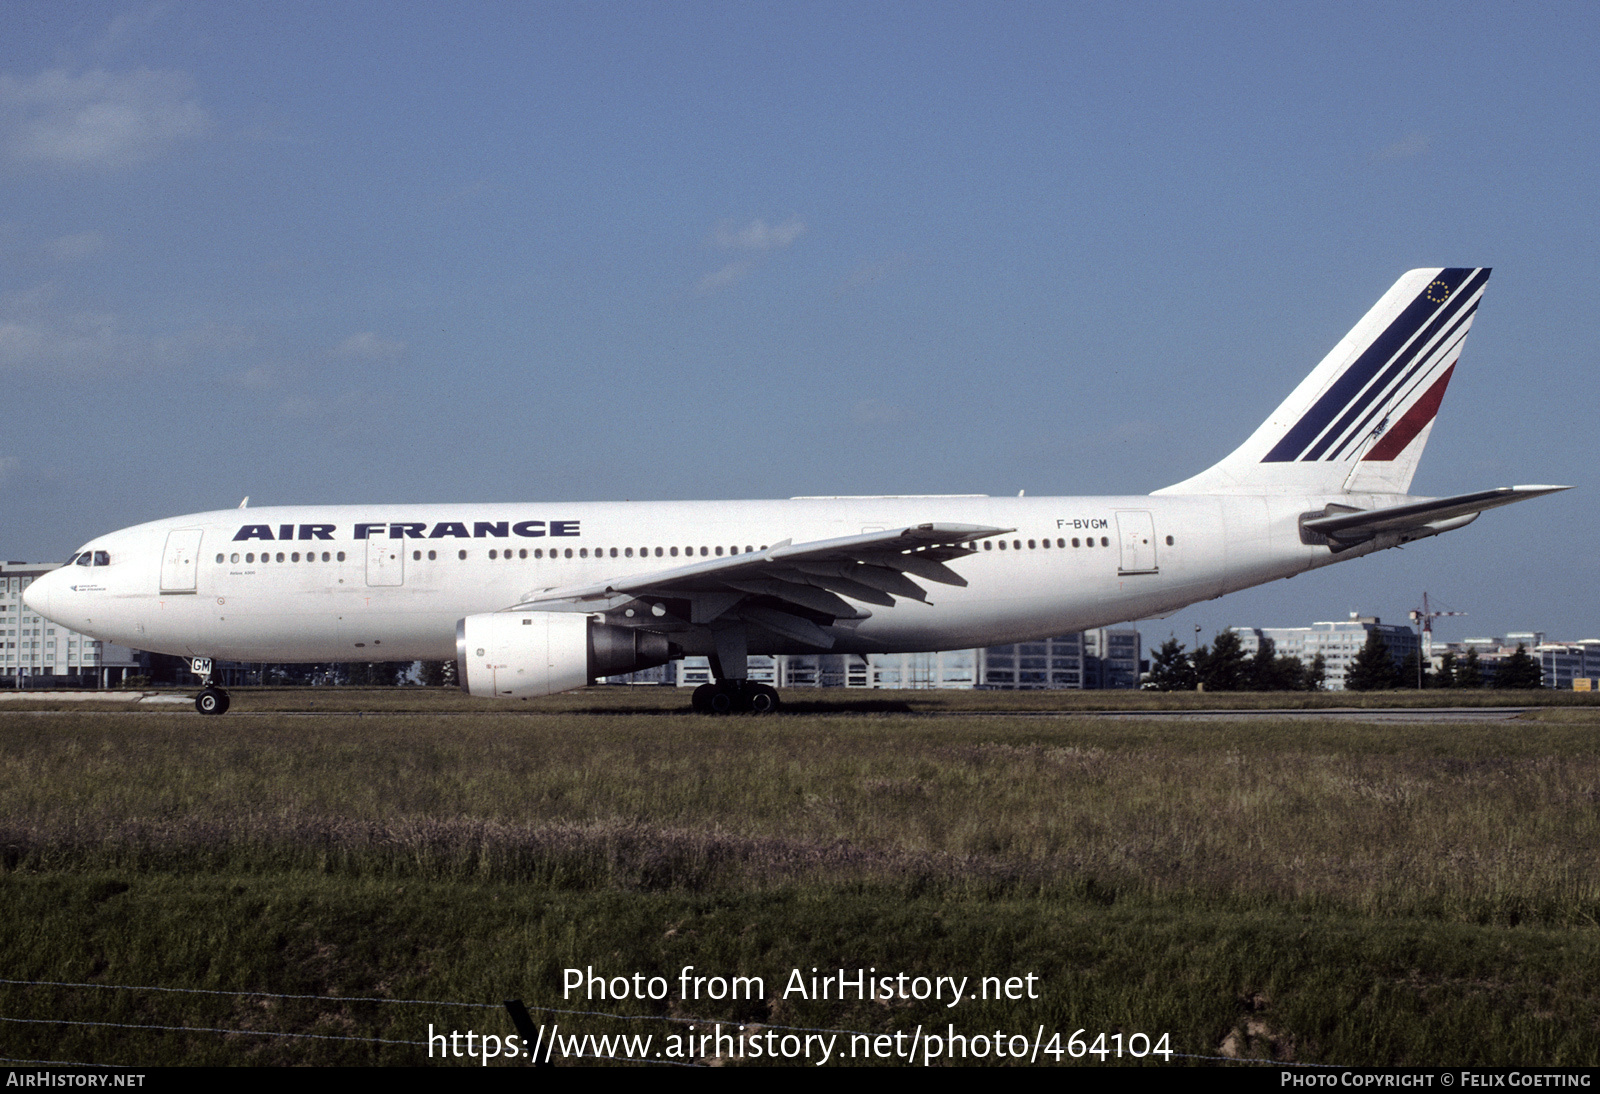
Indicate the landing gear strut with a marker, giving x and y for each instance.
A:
(733, 692)
(211, 700)
(735, 696)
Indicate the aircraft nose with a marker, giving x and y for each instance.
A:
(37, 595)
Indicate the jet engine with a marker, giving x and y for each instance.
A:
(525, 654)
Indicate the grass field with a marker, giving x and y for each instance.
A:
(1314, 889)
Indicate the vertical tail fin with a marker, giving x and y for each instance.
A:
(1359, 422)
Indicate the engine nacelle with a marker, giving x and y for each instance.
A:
(524, 654)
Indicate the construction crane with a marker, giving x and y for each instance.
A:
(1426, 616)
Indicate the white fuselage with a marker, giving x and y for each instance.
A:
(389, 583)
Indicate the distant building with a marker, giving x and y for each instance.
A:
(1108, 657)
(1561, 664)
(1112, 658)
(1338, 642)
(41, 654)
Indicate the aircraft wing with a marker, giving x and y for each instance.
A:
(791, 588)
(1420, 518)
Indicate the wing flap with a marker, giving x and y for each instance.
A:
(870, 567)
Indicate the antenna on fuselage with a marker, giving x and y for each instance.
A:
(245, 504)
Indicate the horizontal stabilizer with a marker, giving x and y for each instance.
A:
(1357, 525)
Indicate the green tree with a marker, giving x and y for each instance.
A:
(1170, 669)
(374, 674)
(438, 674)
(1222, 667)
(1413, 674)
(1259, 671)
(1316, 673)
(1519, 671)
(1468, 673)
(1373, 668)
(1267, 671)
(1446, 676)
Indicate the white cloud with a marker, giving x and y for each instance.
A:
(129, 25)
(758, 236)
(79, 343)
(37, 335)
(731, 274)
(75, 247)
(367, 346)
(98, 118)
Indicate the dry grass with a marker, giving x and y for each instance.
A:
(1307, 889)
(1492, 823)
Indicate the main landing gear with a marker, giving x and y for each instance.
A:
(735, 696)
(733, 693)
(211, 700)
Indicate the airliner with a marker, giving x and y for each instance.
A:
(535, 599)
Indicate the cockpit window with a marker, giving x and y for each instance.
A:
(83, 559)
(102, 558)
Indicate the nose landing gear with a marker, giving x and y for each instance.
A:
(211, 700)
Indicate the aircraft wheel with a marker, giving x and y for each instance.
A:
(764, 700)
(211, 701)
(701, 699)
(724, 701)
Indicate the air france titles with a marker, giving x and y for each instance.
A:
(415, 529)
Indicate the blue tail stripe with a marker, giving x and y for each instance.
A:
(1461, 305)
(1355, 378)
(1416, 363)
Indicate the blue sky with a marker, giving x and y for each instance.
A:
(390, 252)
